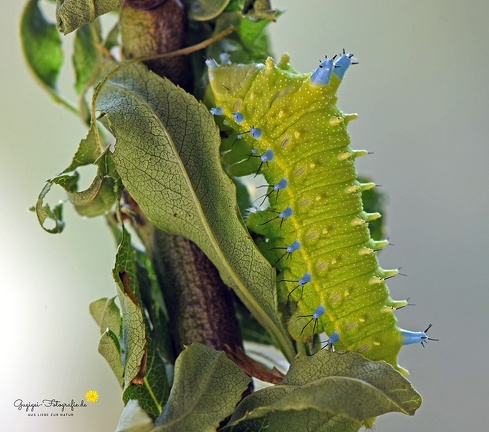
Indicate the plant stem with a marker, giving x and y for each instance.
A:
(199, 305)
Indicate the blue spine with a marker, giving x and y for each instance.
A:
(410, 337)
(322, 74)
(342, 64)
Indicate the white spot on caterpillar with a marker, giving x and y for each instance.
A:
(365, 251)
(281, 114)
(351, 189)
(346, 293)
(357, 222)
(344, 156)
(375, 280)
(297, 134)
(362, 320)
(300, 171)
(253, 95)
(318, 198)
(312, 165)
(334, 121)
(376, 343)
(324, 231)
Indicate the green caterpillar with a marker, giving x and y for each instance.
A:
(286, 126)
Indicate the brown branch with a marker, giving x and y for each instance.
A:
(199, 305)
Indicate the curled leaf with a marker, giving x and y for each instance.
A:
(205, 10)
(133, 329)
(72, 14)
(337, 385)
(166, 154)
(206, 389)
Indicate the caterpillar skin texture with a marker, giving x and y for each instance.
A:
(316, 231)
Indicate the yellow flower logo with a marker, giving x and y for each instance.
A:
(91, 396)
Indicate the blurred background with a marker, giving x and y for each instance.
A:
(421, 90)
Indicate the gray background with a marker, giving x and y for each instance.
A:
(421, 92)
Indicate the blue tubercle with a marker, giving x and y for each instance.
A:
(342, 64)
(409, 337)
(282, 215)
(322, 74)
(305, 279)
(315, 316)
(217, 111)
(288, 250)
(255, 132)
(225, 58)
(319, 311)
(286, 213)
(267, 156)
(300, 283)
(238, 117)
(211, 63)
(293, 247)
(282, 184)
(335, 337)
(264, 158)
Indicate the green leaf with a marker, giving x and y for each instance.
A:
(303, 421)
(41, 44)
(153, 393)
(110, 349)
(87, 62)
(86, 56)
(44, 212)
(97, 199)
(88, 152)
(134, 419)
(107, 315)
(156, 315)
(166, 154)
(248, 44)
(72, 14)
(259, 9)
(42, 49)
(133, 328)
(207, 387)
(94, 201)
(337, 384)
(205, 10)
